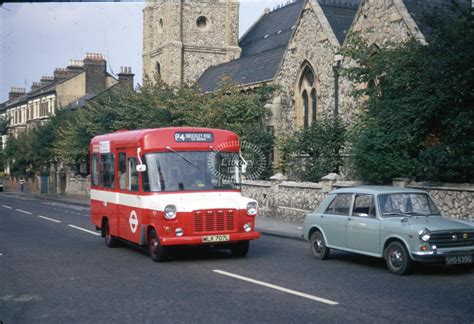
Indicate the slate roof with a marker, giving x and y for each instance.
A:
(264, 44)
(422, 10)
(339, 15)
(263, 47)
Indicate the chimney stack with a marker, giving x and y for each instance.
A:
(75, 66)
(60, 74)
(96, 73)
(35, 86)
(126, 77)
(45, 80)
(16, 92)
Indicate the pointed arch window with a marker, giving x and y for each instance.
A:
(158, 69)
(304, 95)
(306, 98)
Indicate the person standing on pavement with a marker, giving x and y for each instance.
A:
(22, 181)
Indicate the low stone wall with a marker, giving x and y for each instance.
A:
(78, 185)
(290, 201)
(59, 183)
(454, 200)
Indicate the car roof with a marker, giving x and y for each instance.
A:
(376, 190)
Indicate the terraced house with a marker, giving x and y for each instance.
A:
(295, 46)
(68, 88)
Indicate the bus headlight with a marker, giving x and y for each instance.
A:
(170, 212)
(252, 208)
(425, 235)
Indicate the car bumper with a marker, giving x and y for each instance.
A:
(198, 240)
(439, 255)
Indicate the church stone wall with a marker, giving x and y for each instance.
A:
(319, 55)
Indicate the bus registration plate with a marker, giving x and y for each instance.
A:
(215, 238)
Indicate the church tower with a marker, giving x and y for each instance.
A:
(182, 38)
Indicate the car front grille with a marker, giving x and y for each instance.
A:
(452, 239)
(214, 220)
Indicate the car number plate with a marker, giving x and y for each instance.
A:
(460, 259)
(215, 238)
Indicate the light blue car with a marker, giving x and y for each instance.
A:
(401, 225)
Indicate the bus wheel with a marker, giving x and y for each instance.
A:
(240, 249)
(156, 250)
(110, 240)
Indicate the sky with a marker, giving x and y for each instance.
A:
(36, 38)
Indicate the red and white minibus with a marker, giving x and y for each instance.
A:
(171, 186)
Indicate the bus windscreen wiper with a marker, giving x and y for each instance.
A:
(183, 157)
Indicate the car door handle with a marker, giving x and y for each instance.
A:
(349, 219)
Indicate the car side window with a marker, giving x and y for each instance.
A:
(341, 205)
(364, 206)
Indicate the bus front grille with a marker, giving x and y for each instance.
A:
(214, 220)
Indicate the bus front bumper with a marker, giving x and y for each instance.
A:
(210, 239)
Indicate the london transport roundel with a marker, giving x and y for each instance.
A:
(133, 220)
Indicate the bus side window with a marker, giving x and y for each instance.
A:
(122, 171)
(95, 171)
(145, 178)
(107, 170)
(132, 174)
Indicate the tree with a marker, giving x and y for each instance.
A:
(418, 119)
(156, 104)
(314, 152)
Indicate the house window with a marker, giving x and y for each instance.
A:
(306, 98)
(43, 109)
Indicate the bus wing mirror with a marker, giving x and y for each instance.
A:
(141, 168)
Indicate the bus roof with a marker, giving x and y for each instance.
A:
(177, 138)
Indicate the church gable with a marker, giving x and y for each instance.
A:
(306, 76)
(384, 21)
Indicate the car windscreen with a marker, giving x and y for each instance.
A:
(184, 170)
(409, 204)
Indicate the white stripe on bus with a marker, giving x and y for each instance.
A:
(184, 202)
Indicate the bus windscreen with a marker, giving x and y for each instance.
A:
(191, 171)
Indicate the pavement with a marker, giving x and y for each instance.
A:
(265, 225)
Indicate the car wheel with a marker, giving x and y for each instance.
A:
(397, 258)
(110, 240)
(240, 249)
(156, 250)
(318, 246)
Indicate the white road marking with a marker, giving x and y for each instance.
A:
(7, 207)
(288, 291)
(84, 230)
(50, 219)
(24, 212)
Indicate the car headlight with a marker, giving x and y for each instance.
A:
(252, 208)
(425, 234)
(170, 211)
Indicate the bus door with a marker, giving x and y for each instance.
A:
(128, 199)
